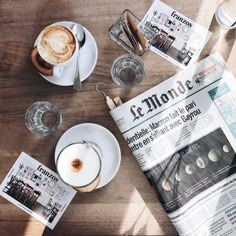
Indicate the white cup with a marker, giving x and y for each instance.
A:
(57, 44)
(226, 14)
(79, 165)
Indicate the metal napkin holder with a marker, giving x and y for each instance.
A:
(132, 34)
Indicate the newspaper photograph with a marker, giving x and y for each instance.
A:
(179, 39)
(36, 190)
(182, 133)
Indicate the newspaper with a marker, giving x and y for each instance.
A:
(179, 39)
(182, 133)
(36, 190)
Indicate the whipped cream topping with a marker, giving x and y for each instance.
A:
(56, 44)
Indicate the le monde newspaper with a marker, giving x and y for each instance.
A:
(182, 133)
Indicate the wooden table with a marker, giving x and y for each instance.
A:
(127, 205)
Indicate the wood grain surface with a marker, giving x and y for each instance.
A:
(127, 205)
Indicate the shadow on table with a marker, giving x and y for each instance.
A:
(134, 219)
(222, 40)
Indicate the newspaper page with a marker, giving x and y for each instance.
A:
(179, 39)
(36, 190)
(182, 133)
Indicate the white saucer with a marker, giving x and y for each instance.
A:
(87, 60)
(111, 154)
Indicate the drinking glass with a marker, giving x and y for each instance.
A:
(127, 71)
(42, 118)
(226, 14)
(79, 165)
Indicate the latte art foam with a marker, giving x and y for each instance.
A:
(56, 44)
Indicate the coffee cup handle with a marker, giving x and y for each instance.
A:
(35, 60)
(50, 71)
(58, 71)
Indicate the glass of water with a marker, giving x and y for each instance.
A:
(42, 118)
(127, 71)
(226, 14)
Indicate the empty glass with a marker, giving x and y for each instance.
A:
(127, 71)
(42, 118)
(226, 14)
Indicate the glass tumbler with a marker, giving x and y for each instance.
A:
(79, 165)
(226, 14)
(42, 118)
(127, 71)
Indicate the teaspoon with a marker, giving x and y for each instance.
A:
(80, 36)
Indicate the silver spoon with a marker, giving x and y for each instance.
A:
(80, 36)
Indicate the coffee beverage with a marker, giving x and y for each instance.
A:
(56, 44)
(79, 166)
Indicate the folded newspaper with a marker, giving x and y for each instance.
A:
(179, 39)
(36, 190)
(182, 133)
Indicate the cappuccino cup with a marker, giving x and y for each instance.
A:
(79, 165)
(56, 47)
